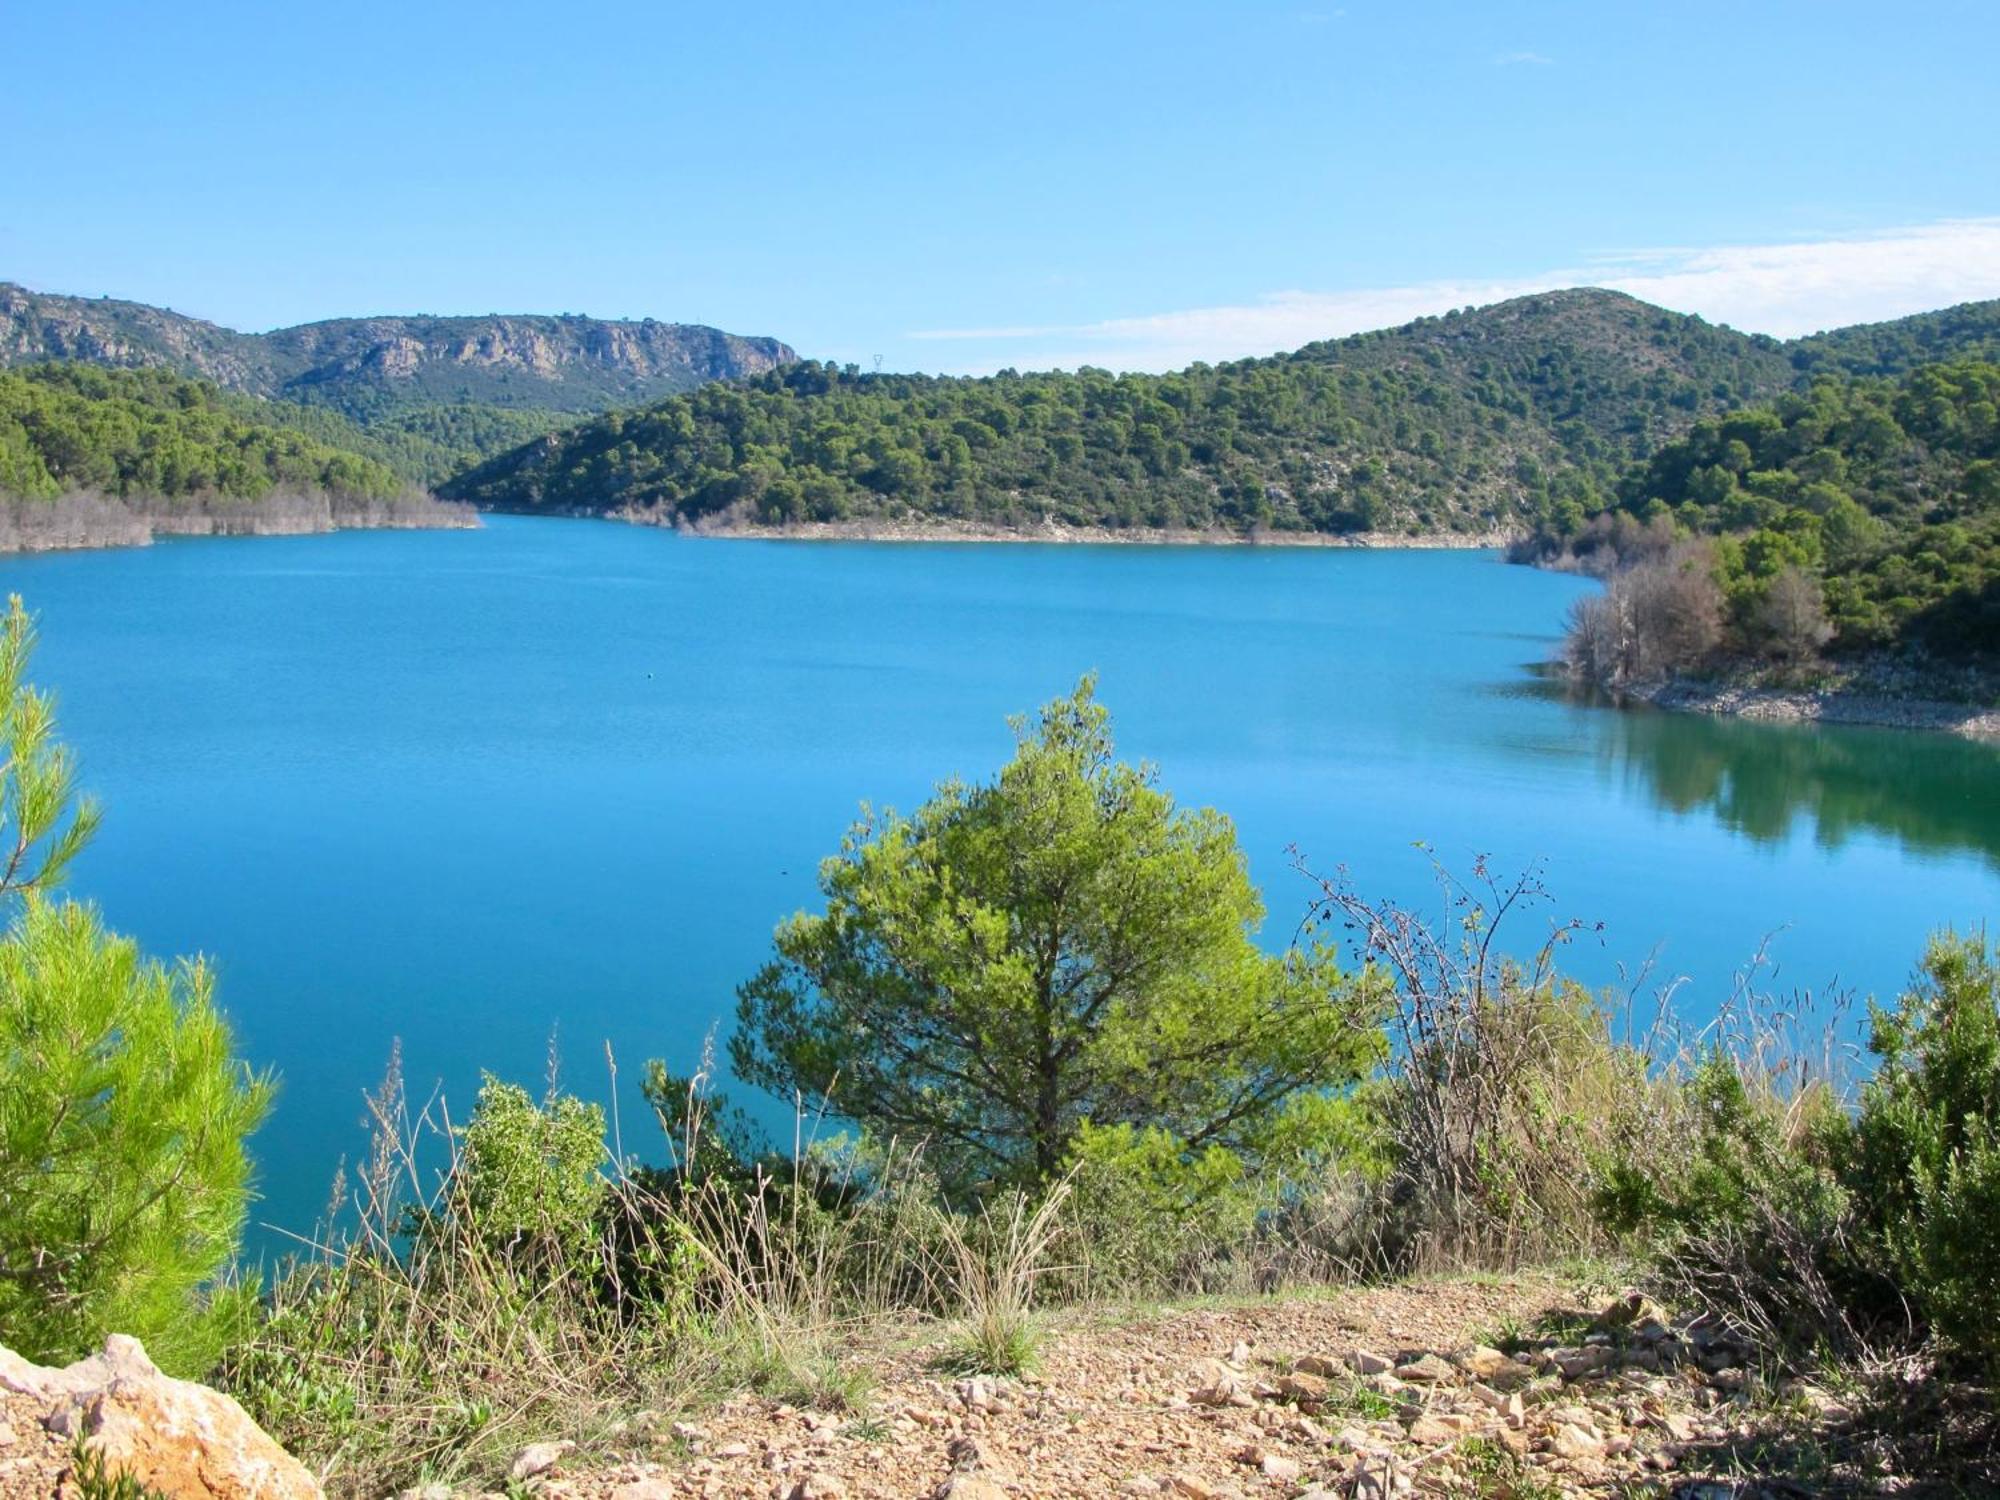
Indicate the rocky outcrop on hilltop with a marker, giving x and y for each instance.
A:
(361, 365)
(117, 1413)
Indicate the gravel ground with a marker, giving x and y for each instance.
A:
(1368, 1392)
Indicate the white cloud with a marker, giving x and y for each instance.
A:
(1783, 289)
(1523, 59)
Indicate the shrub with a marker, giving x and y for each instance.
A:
(527, 1294)
(1725, 1181)
(123, 1178)
(1503, 1087)
(1925, 1164)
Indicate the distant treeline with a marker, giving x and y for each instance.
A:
(1505, 416)
(67, 427)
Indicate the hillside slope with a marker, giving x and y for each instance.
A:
(94, 457)
(371, 368)
(1467, 422)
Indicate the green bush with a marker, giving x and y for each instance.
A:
(123, 1178)
(529, 1175)
(1925, 1164)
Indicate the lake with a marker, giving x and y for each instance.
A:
(559, 778)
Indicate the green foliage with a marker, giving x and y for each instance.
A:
(1926, 1147)
(526, 1294)
(95, 1479)
(1462, 422)
(1059, 946)
(43, 825)
(530, 1178)
(1863, 508)
(1739, 1153)
(123, 1178)
(149, 433)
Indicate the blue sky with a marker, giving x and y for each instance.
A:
(960, 187)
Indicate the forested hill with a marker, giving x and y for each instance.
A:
(1467, 422)
(375, 369)
(149, 434)
(1859, 515)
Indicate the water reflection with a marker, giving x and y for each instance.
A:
(1936, 793)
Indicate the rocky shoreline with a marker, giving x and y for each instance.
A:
(880, 529)
(1834, 705)
(85, 521)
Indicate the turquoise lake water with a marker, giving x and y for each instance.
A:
(469, 789)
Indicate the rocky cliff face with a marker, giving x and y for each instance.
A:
(362, 365)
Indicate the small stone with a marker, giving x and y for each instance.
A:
(539, 1458)
(1574, 1364)
(819, 1487)
(733, 1450)
(1192, 1487)
(1429, 1370)
(1239, 1354)
(1364, 1363)
(1139, 1484)
(645, 1489)
(969, 1487)
(1730, 1380)
(1433, 1428)
(1482, 1362)
(1277, 1467)
(1300, 1386)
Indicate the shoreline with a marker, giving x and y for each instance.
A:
(1839, 706)
(879, 529)
(94, 523)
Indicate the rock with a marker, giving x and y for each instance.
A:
(1277, 1467)
(174, 1436)
(1315, 1364)
(645, 1489)
(1361, 1362)
(1731, 1379)
(733, 1450)
(1299, 1386)
(819, 1487)
(969, 1487)
(1429, 1370)
(1139, 1484)
(1433, 1428)
(1192, 1487)
(1484, 1363)
(538, 1458)
(1221, 1386)
(1572, 1442)
(1574, 1364)
(1239, 1355)
(1629, 1310)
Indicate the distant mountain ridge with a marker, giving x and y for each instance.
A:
(370, 368)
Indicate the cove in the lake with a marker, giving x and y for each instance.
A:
(472, 789)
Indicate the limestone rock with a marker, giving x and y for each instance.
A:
(538, 1458)
(180, 1438)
